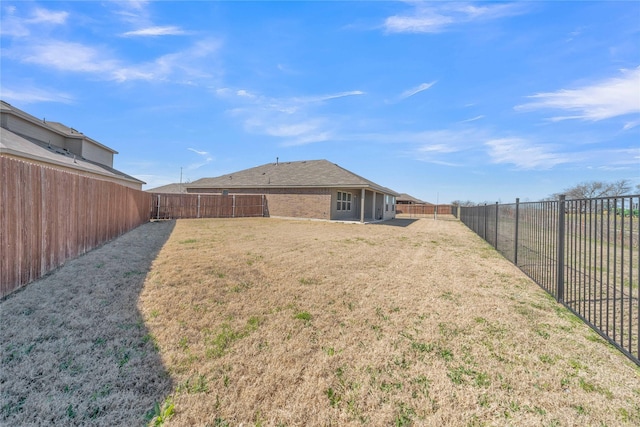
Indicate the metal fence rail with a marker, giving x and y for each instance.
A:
(584, 252)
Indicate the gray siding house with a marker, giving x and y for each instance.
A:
(26, 137)
(315, 189)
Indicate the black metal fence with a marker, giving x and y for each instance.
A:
(584, 252)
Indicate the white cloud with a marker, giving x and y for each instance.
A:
(613, 97)
(12, 24)
(206, 159)
(66, 56)
(47, 16)
(420, 88)
(290, 119)
(180, 67)
(473, 119)
(436, 17)
(202, 153)
(524, 154)
(33, 95)
(169, 30)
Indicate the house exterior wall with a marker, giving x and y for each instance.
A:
(352, 214)
(317, 203)
(23, 127)
(78, 146)
(312, 203)
(389, 207)
(97, 154)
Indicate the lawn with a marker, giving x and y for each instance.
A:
(267, 322)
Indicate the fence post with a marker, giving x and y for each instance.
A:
(515, 248)
(560, 263)
(198, 206)
(158, 211)
(233, 206)
(484, 213)
(496, 244)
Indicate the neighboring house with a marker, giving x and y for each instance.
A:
(406, 199)
(26, 137)
(307, 189)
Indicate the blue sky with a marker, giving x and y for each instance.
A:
(480, 101)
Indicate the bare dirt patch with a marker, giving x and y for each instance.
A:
(285, 322)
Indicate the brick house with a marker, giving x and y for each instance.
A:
(53, 144)
(315, 189)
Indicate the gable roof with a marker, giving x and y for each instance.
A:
(299, 174)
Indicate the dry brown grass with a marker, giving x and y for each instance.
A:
(74, 349)
(283, 322)
(280, 322)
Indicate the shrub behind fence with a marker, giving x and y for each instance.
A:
(583, 252)
(48, 216)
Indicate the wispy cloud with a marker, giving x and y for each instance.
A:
(32, 95)
(15, 25)
(292, 119)
(202, 153)
(436, 17)
(75, 57)
(613, 97)
(525, 154)
(206, 159)
(473, 119)
(420, 88)
(169, 30)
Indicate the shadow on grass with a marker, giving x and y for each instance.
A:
(74, 349)
(397, 222)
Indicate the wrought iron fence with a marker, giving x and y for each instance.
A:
(584, 252)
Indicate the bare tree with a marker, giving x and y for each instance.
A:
(592, 189)
(464, 204)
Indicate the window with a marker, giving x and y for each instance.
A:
(343, 201)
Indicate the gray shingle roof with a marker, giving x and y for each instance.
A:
(169, 188)
(300, 174)
(410, 198)
(19, 146)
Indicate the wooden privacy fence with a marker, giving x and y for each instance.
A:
(422, 209)
(48, 216)
(176, 206)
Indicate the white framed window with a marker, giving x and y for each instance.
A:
(343, 202)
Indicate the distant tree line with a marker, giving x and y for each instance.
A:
(584, 190)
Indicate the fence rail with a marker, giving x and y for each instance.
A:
(177, 206)
(48, 216)
(584, 252)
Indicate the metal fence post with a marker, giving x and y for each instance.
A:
(484, 213)
(515, 246)
(198, 206)
(496, 244)
(560, 255)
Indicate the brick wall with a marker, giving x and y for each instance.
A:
(289, 202)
